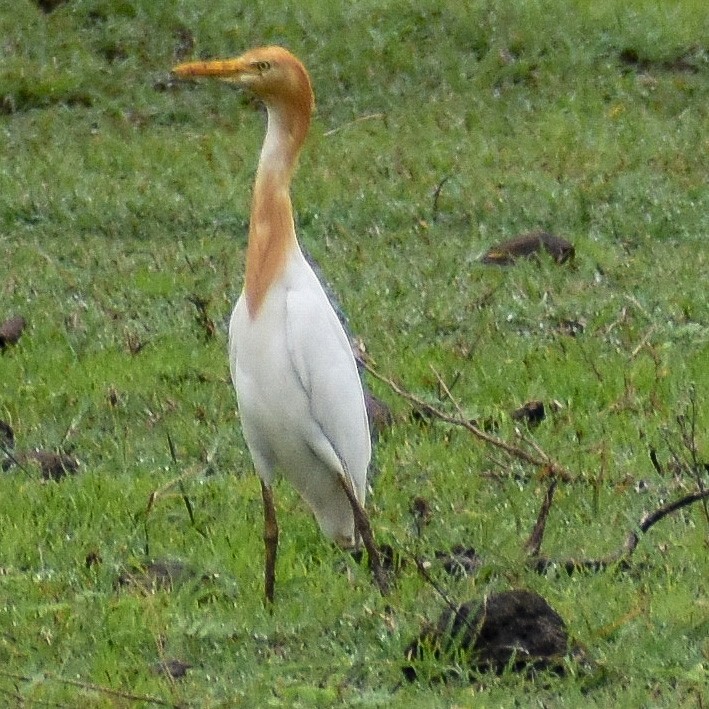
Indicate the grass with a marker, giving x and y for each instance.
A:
(122, 201)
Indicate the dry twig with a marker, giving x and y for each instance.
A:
(533, 545)
(551, 467)
(643, 341)
(622, 555)
(91, 687)
(359, 119)
(437, 195)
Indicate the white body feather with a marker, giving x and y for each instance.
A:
(300, 397)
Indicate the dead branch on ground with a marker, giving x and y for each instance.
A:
(90, 687)
(540, 460)
(557, 472)
(621, 556)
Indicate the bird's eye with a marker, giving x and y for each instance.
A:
(263, 66)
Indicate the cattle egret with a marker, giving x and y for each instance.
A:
(299, 394)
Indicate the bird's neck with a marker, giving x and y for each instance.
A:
(271, 230)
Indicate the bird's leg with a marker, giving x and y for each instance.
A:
(270, 539)
(364, 529)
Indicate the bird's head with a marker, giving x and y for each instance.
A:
(273, 74)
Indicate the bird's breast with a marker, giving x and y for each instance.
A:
(270, 394)
(300, 397)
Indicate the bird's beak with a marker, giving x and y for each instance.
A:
(226, 69)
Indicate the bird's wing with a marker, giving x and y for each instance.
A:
(323, 361)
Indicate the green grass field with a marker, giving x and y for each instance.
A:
(441, 128)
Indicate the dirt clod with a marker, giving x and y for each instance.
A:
(460, 561)
(53, 466)
(532, 413)
(421, 512)
(157, 575)
(514, 629)
(175, 669)
(527, 245)
(378, 413)
(690, 61)
(93, 558)
(7, 435)
(11, 331)
(570, 327)
(47, 6)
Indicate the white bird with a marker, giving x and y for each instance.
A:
(299, 394)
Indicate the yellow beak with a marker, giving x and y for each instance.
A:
(219, 68)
